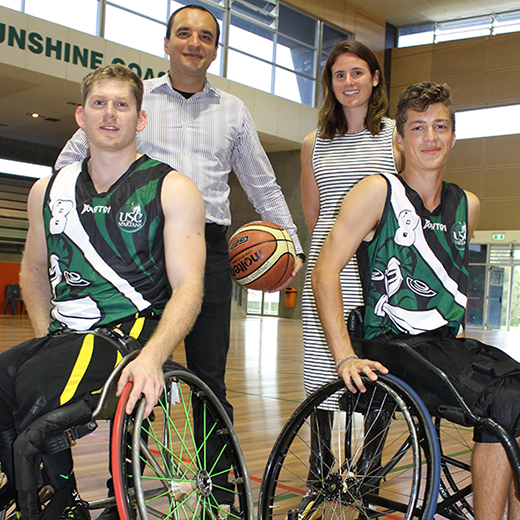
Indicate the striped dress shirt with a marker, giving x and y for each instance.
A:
(205, 137)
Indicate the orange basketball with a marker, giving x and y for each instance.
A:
(262, 256)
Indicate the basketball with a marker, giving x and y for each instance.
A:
(262, 256)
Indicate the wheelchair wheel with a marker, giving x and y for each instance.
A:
(456, 445)
(379, 463)
(174, 472)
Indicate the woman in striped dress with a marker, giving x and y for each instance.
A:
(354, 139)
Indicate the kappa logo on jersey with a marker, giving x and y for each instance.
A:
(131, 217)
(87, 208)
(459, 234)
(436, 226)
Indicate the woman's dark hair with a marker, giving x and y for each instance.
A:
(331, 118)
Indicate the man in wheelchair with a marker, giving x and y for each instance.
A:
(114, 242)
(411, 236)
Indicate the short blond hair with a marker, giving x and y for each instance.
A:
(118, 72)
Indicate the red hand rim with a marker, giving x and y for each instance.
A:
(116, 451)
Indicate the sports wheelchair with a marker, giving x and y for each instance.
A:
(160, 469)
(386, 453)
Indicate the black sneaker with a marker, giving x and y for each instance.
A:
(78, 511)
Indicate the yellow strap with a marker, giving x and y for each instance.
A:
(80, 367)
(137, 328)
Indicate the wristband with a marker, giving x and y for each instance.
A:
(343, 359)
(302, 256)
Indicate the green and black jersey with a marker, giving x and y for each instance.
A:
(415, 270)
(106, 251)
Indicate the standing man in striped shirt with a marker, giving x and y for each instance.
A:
(205, 134)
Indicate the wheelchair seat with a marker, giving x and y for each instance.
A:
(160, 464)
(431, 384)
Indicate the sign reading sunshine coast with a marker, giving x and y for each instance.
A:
(27, 35)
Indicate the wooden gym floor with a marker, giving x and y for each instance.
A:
(265, 385)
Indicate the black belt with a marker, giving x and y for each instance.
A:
(213, 229)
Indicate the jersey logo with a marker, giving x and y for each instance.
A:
(131, 217)
(459, 234)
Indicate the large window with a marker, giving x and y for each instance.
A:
(264, 44)
(81, 15)
(494, 287)
(498, 23)
(487, 122)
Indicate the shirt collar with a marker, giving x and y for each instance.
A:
(164, 83)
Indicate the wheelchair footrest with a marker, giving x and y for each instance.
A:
(67, 439)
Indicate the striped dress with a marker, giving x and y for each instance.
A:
(338, 165)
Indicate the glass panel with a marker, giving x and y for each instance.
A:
(154, 8)
(506, 22)
(459, 29)
(515, 299)
(24, 169)
(476, 296)
(488, 122)
(251, 38)
(417, 35)
(216, 65)
(516, 254)
(477, 253)
(500, 254)
(331, 37)
(294, 87)
(294, 56)
(262, 11)
(249, 71)
(122, 27)
(254, 302)
(497, 297)
(12, 4)
(271, 303)
(81, 15)
(297, 25)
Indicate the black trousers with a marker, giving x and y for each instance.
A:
(207, 346)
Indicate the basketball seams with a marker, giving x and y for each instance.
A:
(273, 267)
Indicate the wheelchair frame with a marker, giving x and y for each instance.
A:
(172, 474)
(401, 466)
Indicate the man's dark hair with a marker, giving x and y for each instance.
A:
(419, 97)
(193, 6)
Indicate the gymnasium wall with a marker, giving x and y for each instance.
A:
(481, 72)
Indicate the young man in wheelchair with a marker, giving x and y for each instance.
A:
(114, 241)
(411, 236)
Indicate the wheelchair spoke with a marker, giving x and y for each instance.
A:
(361, 459)
(177, 472)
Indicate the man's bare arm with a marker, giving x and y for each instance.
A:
(185, 254)
(34, 275)
(359, 216)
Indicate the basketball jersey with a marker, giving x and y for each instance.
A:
(105, 250)
(415, 269)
